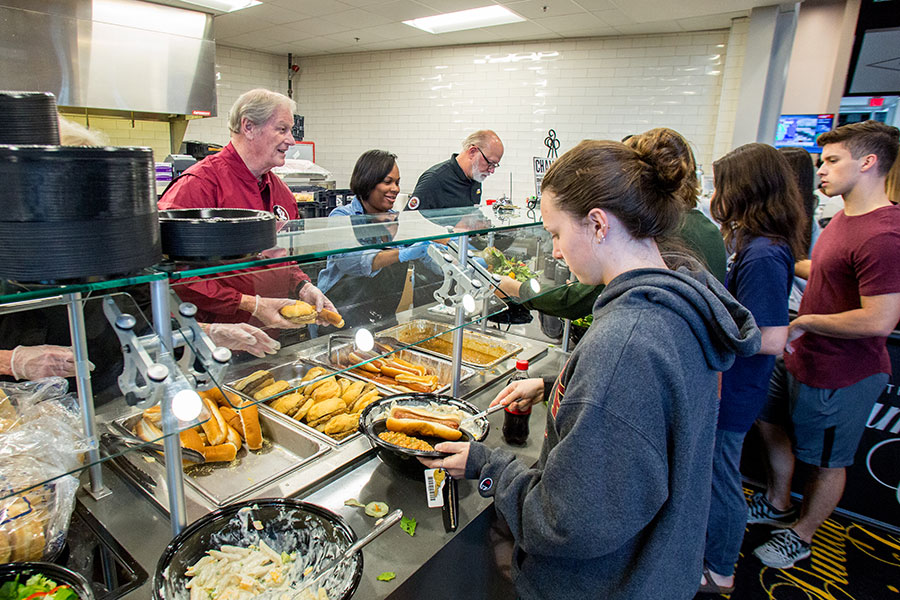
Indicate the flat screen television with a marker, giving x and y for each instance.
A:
(802, 131)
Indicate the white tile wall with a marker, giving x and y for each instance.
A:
(421, 103)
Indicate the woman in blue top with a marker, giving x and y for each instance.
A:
(366, 286)
(757, 202)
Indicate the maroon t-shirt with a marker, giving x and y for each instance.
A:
(222, 180)
(853, 257)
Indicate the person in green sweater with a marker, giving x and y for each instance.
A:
(697, 234)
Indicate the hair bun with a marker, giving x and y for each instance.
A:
(667, 165)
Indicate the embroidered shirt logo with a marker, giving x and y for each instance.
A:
(486, 484)
(413, 203)
(281, 213)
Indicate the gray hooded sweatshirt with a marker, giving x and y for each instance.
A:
(617, 506)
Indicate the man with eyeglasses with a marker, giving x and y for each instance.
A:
(456, 182)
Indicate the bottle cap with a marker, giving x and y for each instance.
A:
(521, 365)
(490, 201)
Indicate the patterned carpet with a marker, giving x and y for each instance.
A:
(849, 561)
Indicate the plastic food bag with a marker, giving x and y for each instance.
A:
(41, 440)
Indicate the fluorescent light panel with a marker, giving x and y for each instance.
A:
(486, 16)
(224, 5)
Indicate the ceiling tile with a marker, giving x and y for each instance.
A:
(270, 13)
(398, 31)
(594, 5)
(531, 9)
(235, 24)
(520, 31)
(643, 28)
(316, 27)
(357, 18)
(613, 17)
(571, 23)
(402, 10)
(313, 8)
(722, 21)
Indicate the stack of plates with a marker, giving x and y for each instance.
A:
(77, 213)
(28, 118)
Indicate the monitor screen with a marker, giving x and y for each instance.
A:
(802, 131)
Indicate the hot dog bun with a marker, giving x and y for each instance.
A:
(332, 317)
(251, 431)
(421, 421)
(215, 427)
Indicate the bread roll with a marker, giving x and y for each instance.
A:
(322, 411)
(353, 391)
(332, 317)
(301, 412)
(288, 403)
(329, 389)
(271, 390)
(299, 312)
(215, 426)
(251, 430)
(254, 382)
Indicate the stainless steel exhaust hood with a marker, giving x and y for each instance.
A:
(120, 55)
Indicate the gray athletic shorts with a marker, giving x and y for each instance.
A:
(825, 425)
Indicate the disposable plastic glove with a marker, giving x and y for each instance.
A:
(35, 362)
(266, 310)
(313, 295)
(413, 252)
(242, 336)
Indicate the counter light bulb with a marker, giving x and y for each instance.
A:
(468, 303)
(186, 405)
(535, 285)
(364, 340)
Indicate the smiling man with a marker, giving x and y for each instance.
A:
(240, 177)
(836, 361)
(456, 182)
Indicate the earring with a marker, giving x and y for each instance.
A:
(602, 239)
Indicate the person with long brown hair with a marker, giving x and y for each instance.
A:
(758, 205)
(618, 502)
(804, 174)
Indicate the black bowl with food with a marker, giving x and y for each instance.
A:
(400, 449)
(38, 577)
(290, 541)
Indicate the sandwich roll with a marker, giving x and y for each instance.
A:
(424, 422)
(287, 403)
(254, 382)
(215, 426)
(271, 390)
(299, 312)
(231, 417)
(321, 412)
(233, 437)
(147, 431)
(219, 453)
(300, 413)
(364, 400)
(329, 389)
(313, 373)
(190, 438)
(250, 428)
(345, 383)
(353, 391)
(154, 415)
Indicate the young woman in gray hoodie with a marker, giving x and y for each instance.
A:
(616, 507)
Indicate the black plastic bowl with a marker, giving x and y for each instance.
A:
(316, 534)
(56, 573)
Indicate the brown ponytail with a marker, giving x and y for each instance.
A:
(640, 186)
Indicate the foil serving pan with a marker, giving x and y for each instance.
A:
(441, 367)
(293, 372)
(285, 449)
(479, 350)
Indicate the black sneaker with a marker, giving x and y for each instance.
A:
(762, 511)
(783, 550)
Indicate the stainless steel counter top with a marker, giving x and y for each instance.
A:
(144, 530)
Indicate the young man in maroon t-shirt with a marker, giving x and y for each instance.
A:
(836, 358)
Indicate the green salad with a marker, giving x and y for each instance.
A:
(499, 264)
(36, 587)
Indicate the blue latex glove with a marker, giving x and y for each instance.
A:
(414, 252)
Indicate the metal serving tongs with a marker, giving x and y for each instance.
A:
(380, 528)
(120, 443)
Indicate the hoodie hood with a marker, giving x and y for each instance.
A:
(723, 326)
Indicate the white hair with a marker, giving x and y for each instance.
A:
(257, 106)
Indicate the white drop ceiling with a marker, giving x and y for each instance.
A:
(315, 27)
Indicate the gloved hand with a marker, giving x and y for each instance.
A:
(266, 310)
(413, 252)
(35, 362)
(313, 295)
(242, 336)
(478, 259)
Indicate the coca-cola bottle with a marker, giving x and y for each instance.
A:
(515, 422)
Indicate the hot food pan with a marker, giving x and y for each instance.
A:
(293, 402)
(372, 422)
(433, 366)
(284, 450)
(479, 350)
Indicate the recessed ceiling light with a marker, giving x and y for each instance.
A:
(486, 16)
(224, 5)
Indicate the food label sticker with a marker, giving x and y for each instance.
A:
(435, 480)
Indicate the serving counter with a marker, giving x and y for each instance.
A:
(427, 565)
(160, 318)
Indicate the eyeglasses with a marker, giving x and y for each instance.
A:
(490, 165)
